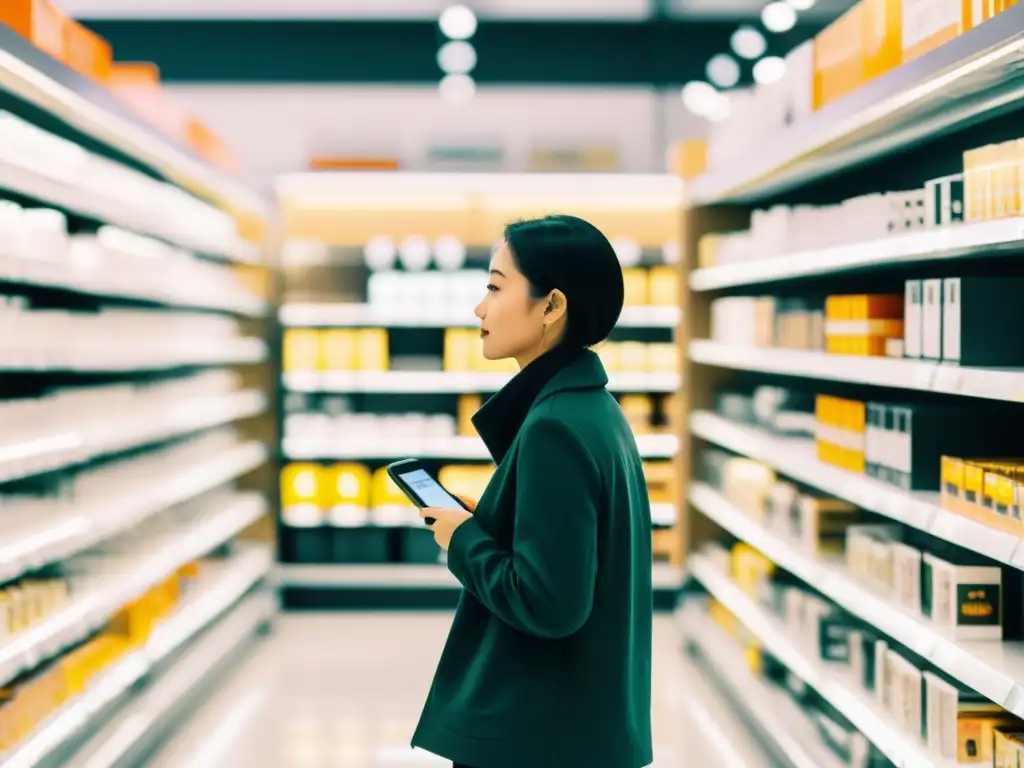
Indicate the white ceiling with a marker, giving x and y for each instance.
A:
(419, 9)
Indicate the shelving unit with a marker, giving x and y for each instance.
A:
(901, 130)
(329, 289)
(139, 446)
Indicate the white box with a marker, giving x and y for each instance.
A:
(913, 320)
(931, 320)
(951, 319)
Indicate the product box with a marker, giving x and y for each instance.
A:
(962, 594)
(931, 320)
(839, 60)
(300, 350)
(1007, 741)
(860, 324)
(339, 350)
(822, 523)
(372, 350)
(906, 571)
(987, 490)
(913, 319)
(944, 201)
(347, 495)
(883, 36)
(663, 286)
(840, 432)
(86, 52)
(38, 21)
(979, 315)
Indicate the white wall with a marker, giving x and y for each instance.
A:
(276, 129)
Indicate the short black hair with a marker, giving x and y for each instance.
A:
(572, 255)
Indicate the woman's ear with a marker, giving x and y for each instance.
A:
(555, 308)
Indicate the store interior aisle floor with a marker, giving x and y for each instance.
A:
(343, 690)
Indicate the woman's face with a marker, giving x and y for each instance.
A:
(511, 321)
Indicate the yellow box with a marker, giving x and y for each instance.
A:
(635, 280)
(467, 408)
(458, 351)
(300, 350)
(975, 735)
(339, 350)
(633, 357)
(663, 286)
(662, 357)
(883, 36)
(372, 354)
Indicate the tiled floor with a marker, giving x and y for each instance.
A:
(344, 690)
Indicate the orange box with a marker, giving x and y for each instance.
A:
(38, 21)
(86, 52)
(210, 146)
(839, 61)
(883, 36)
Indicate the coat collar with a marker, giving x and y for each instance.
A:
(491, 421)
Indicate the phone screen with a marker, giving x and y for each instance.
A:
(429, 491)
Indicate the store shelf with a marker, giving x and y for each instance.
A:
(153, 358)
(32, 75)
(19, 460)
(900, 373)
(92, 523)
(778, 721)
(299, 315)
(449, 448)
(451, 382)
(829, 681)
(797, 459)
(210, 599)
(941, 244)
(64, 275)
(991, 668)
(128, 740)
(969, 77)
(408, 576)
(98, 597)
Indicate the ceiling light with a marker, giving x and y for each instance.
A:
(801, 5)
(699, 97)
(778, 16)
(748, 43)
(723, 70)
(457, 22)
(457, 89)
(456, 57)
(769, 70)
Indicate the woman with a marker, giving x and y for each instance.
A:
(548, 662)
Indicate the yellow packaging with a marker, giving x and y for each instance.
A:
(883, 36)
(662, 357)
(952, 471)
(300, 350)
(372, 353)
(466, 479)
(1005, 742)
(457, 350)
(663, 286)
(839, 65)
(633, 357)
(639, 410)
(975, 735)
(339, 350)
(635, 282)
(467, 408)
(347, 484)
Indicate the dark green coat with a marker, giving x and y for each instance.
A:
(548, 662)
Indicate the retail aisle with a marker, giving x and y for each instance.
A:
(344, 690)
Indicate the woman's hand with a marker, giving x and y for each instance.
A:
(446, 521)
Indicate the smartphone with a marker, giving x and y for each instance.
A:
(421, 487)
